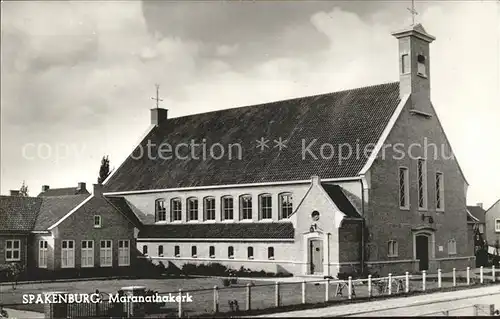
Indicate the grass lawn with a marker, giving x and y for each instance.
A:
(263, 293)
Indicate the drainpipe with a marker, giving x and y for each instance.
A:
(362, 226)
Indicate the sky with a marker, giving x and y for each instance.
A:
(77, 77)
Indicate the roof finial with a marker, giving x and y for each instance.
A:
(413, 12)
(157, 98)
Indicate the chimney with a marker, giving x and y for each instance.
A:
(81, 187)
(45, 188)
(14, 192)
(98, 190)
(414, 66)
(159, 116)
(480, 205)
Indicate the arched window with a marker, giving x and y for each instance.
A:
(227, 208)
(160, 251)
(145, 250)
(270, 252)
(392, 248)
(177, 251)
(192, 208)
(245, 207)
(421, 65)
(250, 252)
(230, 252)
(452, 247)
(209, 208)
(194, 252)
(286, 205)
(175, 209)
(160, 210)
(211, 252)
(265, 206)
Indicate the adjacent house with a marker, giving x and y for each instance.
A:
(67, 229)
(493, 227)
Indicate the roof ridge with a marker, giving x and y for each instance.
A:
(291, 99)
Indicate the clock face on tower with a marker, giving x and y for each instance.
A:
(315, 215)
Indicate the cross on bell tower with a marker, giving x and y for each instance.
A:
(413, 12)
(157, 98)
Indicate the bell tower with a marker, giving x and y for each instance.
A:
(414, 66)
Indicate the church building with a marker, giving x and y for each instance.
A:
(274, 187)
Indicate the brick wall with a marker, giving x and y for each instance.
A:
(80, 226)
(387, 221)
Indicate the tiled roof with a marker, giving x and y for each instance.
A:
(477, 212)
(343, 199)
(54, 208)
(357, 116)
(280, 230)
(129, 210)
(18, 214)
(66, 191)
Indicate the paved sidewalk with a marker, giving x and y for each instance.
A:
(372, 306)
(21, 314)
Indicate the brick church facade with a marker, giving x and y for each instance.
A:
(304, 209)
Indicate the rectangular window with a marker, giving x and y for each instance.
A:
(265, 207)
(246, 207)
(42, 254)
(227, 208)
(286, 205)
(97, 221)
(194, 252)
(404, 187)
(177, 251)
(123, 253)
(87, 253)
(405, 63)
(192, 209)
(250, 252)
(211, 251)
(161, 210)
(497, 225)
(12, 250)
(452, 247)
(422, 183)
(230, 252)
(270, 253)
(68, 254)
(160, 250)
(392, 248)
(176, 210)
(106, 253)
(439, 191)
(209, 208)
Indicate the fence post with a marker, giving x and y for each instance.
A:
(179, 312)
(439, 278)
(390, 284)
(468, 276)
(277, 293)
(454, 277)
(249, 296)
(303, 291)
(423, 279)
(349, 287)
(494, 278)
(327, 290)
(407, 282)
(369, 286)
(216, 299)
(492, 310)
(475, 307)
(481, 274)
